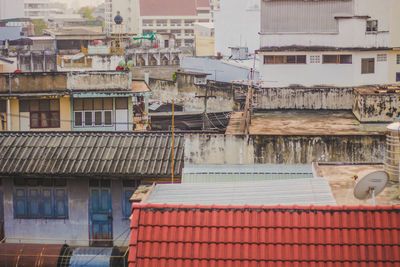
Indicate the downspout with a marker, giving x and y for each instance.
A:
(9, 104)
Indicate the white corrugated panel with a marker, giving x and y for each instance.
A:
(300, 16)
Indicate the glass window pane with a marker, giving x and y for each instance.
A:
(78, 119)
(60, 208)
(98, 104)
(55, 105)
(44, 120)
(78, 104)
(107, 117)
(301, 59)
(34, 105)
(121, 103)
(108, 104)
(35, 120)
(329, 59)
(88, 118)
(44, 105)
(55, 119)
(88, 104)
(279, 59)
(20, 207)
(291, 59)
(98, 118)
(268, 59)
(345, 59)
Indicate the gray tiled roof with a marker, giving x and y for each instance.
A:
(10, 33)
(89, 153)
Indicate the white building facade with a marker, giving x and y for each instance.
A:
(159, 16)
(335, 42)
(237, 24)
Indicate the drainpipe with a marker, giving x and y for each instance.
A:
(9, 104)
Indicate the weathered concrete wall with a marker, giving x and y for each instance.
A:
(99, 62)
(155, 72)
(218, 149)
(229, 149)
(75, 229)
(100, 80)
(306, 149)
(376, 107)
(184, 92)
(304, 98)
(33, 82)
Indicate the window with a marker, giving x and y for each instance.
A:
(398, 59)
(43, 113)
(315, 59)
(372, 26)
(93, 112)
(40, 199)
(397, 76)
(382, 57)
(337, 59)
(129, 187)
(292, 59)
(367, 65)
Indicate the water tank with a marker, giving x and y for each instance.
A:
(118, 19)
(392, 160)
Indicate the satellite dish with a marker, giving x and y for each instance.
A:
(371, 185)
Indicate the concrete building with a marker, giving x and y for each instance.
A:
(214, 6)
(76, 187)
(337, 43)
(204, 39)
(157, 16)
(37, 9)
(237, 24)
(73, 101)
(11, 9)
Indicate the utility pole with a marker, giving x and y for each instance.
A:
(173, 143)
(206, 97)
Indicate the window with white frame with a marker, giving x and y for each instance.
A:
(381, 57)
(316, 59)
(93, 112)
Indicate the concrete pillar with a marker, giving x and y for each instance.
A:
(32, 62)
(8, 115)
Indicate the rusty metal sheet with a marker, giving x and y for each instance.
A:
(28, 255)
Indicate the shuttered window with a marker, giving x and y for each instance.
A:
(285, 59)
(367, 65)
(40, 199)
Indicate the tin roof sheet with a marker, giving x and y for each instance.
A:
(301, 191)
(89, 153)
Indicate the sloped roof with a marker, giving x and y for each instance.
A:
(171, 7)
(89, 154)
(10, 33)
(240, 172)
(178, 235)
(301, 191)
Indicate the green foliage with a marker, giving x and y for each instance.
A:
(174, 77)
(86, 12)
(39, 25)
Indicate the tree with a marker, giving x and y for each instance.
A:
(39, 25)
(86, 12)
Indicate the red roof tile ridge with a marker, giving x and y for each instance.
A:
(263, 207)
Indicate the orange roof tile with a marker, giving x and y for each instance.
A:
(172, 235)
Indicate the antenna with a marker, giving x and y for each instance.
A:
(371, 185)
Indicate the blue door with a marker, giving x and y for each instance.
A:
(100, 213)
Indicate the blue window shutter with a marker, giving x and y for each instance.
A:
(61, 203)
(126, 205)
(34, 203)
(47, 196)
(20, 210)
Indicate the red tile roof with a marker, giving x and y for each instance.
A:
(167, 235)
(171, 7)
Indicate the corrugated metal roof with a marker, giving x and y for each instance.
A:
(92, 256)
(170, 235)
(10, 33)
(302, 191)
(89, 153)
(237, 173)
